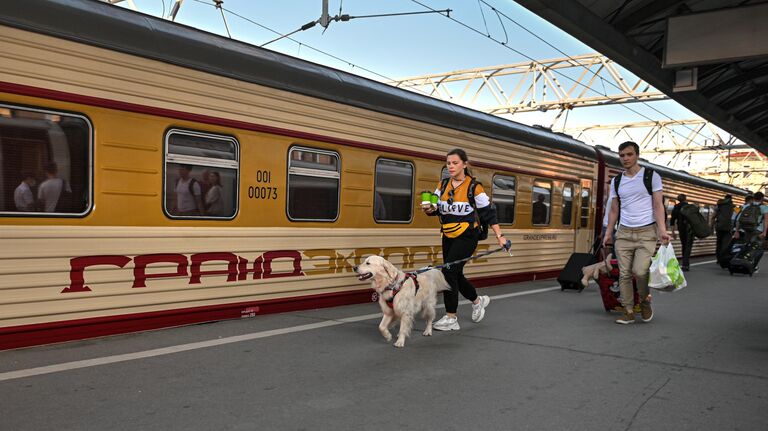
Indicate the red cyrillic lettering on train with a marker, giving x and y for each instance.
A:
(77, 267)
(280, 254)
(140, 275)
(242, 268)
(199, 258)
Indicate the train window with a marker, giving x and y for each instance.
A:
(393, 192)
(585, 206)
(542, 200)
(313, 184)
(670, 206)
(201, 175)
(704, 210)
(44, 162)
(444, 174)
(504, 193)
(567, 204)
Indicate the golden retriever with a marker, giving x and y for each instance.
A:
(399, 298)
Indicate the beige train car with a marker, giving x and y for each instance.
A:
(301, 172)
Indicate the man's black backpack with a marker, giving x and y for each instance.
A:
(647, 181)
(724, 213)
(749, 217)
(696, 220)
(471, 198)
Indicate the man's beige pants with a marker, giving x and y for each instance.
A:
(634, 249)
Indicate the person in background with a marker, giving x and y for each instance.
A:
(205, 185)
(641, 224)
(22, 196)
(684, 228)
(737, 212)
(50, 190)
(762, 228)
(539, 211)
(189, 200)
(214, 201)
(723, 223)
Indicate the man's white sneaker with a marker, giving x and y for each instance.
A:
(478, 310)
(447, 323)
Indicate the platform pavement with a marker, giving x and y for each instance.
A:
(544, 361)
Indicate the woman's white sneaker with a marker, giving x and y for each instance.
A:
(478, 310)
(447, 323)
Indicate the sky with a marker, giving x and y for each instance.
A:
(384, 48)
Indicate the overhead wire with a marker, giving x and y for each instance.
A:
(300, 43)
(217, 4)
(507, 46)
(569, 57)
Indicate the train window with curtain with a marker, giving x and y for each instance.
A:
(670, 206)
(313, 184)
(704, 210)
(393, 191)
(45, 159)
(585, 206)
(201, 175)
(542, 202)
(504, 192)
(567, 215)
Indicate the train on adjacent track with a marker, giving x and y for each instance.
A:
(296, 172)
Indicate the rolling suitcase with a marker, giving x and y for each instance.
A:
(743, 261)
(609, 290)
(570, 276)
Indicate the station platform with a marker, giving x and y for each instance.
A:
(541, 359)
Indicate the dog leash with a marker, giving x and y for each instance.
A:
(507, 247)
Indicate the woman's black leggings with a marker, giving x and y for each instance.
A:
(454, 249)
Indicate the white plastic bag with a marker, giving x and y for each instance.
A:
(666, 274)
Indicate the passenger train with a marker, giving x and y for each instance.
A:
(200, 178)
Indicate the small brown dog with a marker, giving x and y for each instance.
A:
(592, 272)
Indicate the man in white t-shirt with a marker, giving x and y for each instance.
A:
(23, 197)
(641, 223)
(189, 201)
(50, 190)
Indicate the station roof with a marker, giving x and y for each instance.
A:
(731, 94)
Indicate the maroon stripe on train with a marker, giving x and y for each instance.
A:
(62, 96)
(56, 332)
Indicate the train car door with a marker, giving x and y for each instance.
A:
(583, 237)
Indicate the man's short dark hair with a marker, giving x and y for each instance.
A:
(629, 144)
(759, 196)
(681, 197)
(51, 168)
(748, 198)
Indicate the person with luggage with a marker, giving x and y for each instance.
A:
(723, 225)
(750, 220)
(638, 193)
(684, 229)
